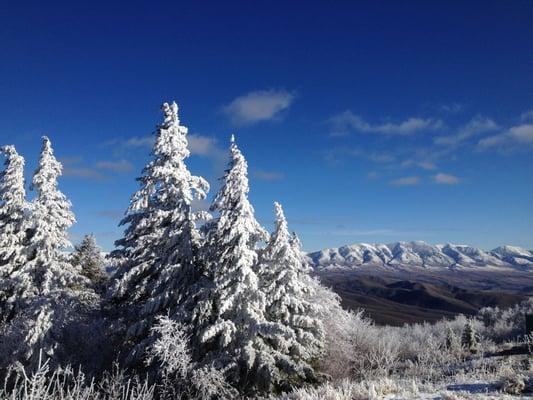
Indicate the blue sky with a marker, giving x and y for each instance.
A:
(369, 122)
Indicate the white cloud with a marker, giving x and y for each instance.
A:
(144, 141)
(427, 165)
(520, 135)
(372, 175)
(347, 121)
(268, 175)
(257, 106)
(73, 169)
(406, 181)
(115, 166)
(452, 108)
(446, 179)
(527, 116)
(70, 160)
(475, 126)
(377, 157)
(336, 155)
(111, 214)
(82, 172)
(381, 157)
(206, 146)
(201, 145)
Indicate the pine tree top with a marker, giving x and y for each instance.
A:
(12, 190)
(51, 211)
(49, 169)
(232, 201)
(282, 228)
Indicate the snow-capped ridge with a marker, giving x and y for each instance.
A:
(421, 254)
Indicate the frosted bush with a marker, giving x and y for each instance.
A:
(514, 384)
(350, 390)
(504, 324)
(170, 350)
(211, 383)
(67, 384)
(176, 373)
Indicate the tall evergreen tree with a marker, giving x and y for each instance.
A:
(157, 256)
(48, 269)
(88, 256)
(46, 286)
(13, 213)
(286, 284)
(232, 333)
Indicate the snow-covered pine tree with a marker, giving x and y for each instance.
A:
(231, 331)
(157, 257)
(13, 208)
(88, 256)
(45, 288)
(51, 217)
(285, 281)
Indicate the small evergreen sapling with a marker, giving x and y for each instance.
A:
(470, 338)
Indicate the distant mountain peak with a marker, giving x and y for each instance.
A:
(421, 254)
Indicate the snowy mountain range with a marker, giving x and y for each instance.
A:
(421, 254)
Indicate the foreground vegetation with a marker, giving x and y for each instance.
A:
(463, 358)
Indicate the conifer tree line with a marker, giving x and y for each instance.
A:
(244, 299)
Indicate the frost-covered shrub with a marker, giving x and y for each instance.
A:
(446, 395)
(175, 372)
(352, 390)
(45, 383)
(379, 355)
(453, 343)
(355, 347)
(505, 324)
(513, 384)
(343, 329)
